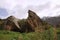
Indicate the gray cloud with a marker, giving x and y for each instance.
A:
(19, 8)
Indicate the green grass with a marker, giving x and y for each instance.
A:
(58, 33)
(58, 30)
(46, 35)
(7, 35)
(58, 36)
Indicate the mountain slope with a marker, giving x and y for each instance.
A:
(52, 20)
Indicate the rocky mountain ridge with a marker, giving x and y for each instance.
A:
(31, 24)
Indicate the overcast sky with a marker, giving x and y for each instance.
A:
(19, 8)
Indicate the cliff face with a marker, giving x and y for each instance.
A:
(34, 21)
(11, 24)
(31, 24)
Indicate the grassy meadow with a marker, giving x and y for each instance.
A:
(46, 35)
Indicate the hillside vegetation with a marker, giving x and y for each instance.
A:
(46, 35)
(32, 28)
